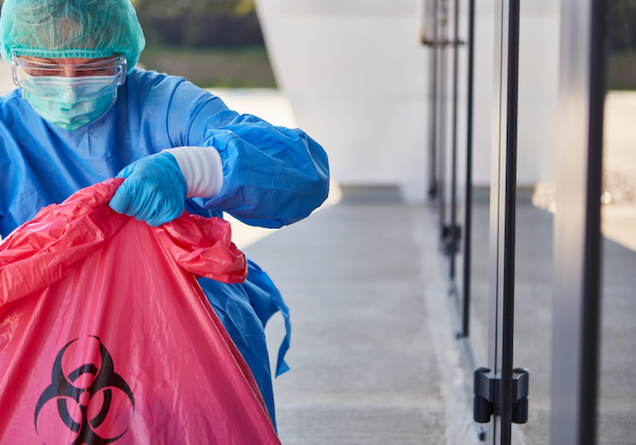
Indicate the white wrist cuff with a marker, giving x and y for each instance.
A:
(202, 169)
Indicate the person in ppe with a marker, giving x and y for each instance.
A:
(83, 113)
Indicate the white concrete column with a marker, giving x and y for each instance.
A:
(357, 79)
(356, 76)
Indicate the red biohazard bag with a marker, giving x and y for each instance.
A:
(106, 336)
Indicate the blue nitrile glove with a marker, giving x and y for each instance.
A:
(154, 190)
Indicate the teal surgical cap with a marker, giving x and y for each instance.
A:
(70, 28)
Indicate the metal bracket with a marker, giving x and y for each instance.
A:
(432, 191)
(487, 389)
(451, 238)
(442, 43)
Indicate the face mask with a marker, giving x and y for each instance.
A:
(70, 102)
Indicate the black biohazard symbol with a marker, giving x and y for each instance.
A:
(62, 388)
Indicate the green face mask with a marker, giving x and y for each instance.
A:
(70, 102)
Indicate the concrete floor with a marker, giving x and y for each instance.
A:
(374, 359)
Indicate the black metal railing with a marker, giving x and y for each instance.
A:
(443, 190)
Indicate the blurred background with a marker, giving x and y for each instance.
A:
(213, 43)
(219, 43)
(622, 63)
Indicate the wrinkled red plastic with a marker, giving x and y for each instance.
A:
(143, 358)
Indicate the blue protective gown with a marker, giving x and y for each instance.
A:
(272, 176)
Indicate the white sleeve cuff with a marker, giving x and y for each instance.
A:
(202, 169)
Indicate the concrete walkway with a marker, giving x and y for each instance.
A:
(373, 359)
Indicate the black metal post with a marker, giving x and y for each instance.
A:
(441, 183)
(468, 209)
(503, 216)
(510, 225)
(453, 235)
(592, 274)
(432, 188)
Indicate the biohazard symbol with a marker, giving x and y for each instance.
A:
(63, 389)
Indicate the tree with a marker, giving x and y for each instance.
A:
(623, 23)
(177, 7)
(200, 23)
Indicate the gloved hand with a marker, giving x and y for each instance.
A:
(154, 190)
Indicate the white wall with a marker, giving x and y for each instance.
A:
(538, 90)
(358, 82)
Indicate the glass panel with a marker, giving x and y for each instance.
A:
(617, 405)
(533, 308)
(536, 195)
(480, 231)
(537, 115)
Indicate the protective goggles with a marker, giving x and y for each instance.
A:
(50, 80)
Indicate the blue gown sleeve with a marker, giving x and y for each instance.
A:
(272, 176)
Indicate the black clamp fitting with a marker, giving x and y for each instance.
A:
(486, 390)
(451, 238)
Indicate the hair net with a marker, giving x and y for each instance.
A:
(70, 28)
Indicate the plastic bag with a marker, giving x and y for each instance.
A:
(106, 336)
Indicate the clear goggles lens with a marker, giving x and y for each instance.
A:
(90, 80)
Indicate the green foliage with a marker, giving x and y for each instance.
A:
(213, 68)
(622, 58)
(192, 38)
(175, 8)
(622, 70)
(623, 25)
(200, 23)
